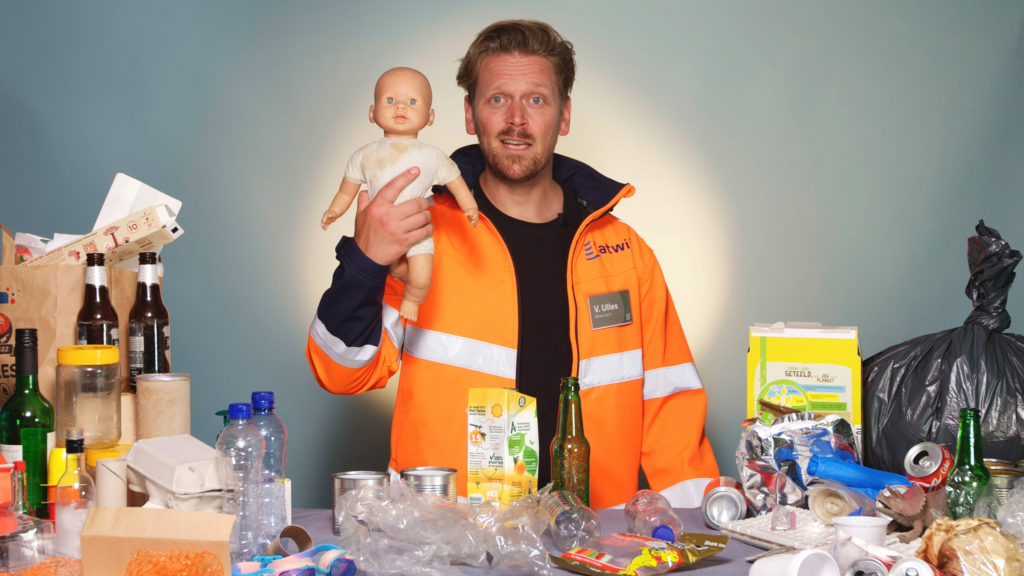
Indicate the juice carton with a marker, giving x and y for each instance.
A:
(805, 367)
(502, 445)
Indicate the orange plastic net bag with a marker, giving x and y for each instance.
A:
(50, 567)
(174, 563)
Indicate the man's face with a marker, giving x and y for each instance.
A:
(516, 115)
(402, 100)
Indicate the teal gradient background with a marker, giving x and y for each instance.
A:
(797, 161)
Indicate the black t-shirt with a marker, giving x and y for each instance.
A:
(540, 256)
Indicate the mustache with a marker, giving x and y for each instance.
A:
(516, 134)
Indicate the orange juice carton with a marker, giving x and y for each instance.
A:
(502, 445)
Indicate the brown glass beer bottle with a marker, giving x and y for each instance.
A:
(149, 342)
(97, 320)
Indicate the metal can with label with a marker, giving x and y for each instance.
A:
(914, 567)
(869, 567)
(928, 465)
(723, 502)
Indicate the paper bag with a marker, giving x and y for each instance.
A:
(48, 299)
(111, 536)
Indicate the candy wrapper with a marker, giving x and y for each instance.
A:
(765, 450)
(639, 556)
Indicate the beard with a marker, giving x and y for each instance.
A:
(516, 167)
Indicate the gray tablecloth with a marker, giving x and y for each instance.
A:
(727, 563)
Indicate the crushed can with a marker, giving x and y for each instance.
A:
(723, 502)
(928, 466)
(869, 567)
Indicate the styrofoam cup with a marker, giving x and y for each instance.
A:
(804, 563)
(867, 528)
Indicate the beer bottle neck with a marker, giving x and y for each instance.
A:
(149, 283)
(968, 446)
(570, 415)
(96, 290)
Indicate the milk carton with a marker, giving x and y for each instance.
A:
(502, 445)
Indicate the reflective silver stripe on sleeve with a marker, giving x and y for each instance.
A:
(357, 356)
(461, 352)
(669, 380)
(611, 369)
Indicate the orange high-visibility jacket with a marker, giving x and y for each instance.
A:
(642, 399)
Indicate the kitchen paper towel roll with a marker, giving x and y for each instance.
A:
(112, 483)
(162, 405)
(128, 430)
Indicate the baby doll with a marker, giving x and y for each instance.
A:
(402, 99)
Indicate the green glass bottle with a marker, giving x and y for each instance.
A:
(969, 476)
(26, 420)
(570, 451)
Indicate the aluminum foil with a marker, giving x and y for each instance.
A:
(788, 444)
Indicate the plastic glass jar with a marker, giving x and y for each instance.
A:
(89, 394)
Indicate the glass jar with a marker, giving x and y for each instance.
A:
(89, 394)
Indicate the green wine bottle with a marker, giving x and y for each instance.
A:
(970, 475)
(26, 420)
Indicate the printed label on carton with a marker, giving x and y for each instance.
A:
(502, 445)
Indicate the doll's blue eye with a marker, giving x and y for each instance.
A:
(390, 100)
(412, 102)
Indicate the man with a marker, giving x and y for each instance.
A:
(519, 301)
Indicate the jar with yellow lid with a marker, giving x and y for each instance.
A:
(89, 394)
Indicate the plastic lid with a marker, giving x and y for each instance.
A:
(665, 533)
(93, 456)
(19, 466)
(262, 400)
(240, 411)
(89, 355)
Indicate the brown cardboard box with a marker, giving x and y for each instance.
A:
(143, 231)
(111, 536)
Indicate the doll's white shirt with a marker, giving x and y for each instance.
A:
(379, 162)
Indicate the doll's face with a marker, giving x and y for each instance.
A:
(402, 100)
(517, 115)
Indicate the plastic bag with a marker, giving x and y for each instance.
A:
(971, 547)
(391, 531)
(634, 555)
(1011, 514)
(913, 392)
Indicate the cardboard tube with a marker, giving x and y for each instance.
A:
(162, 405)
(112, 483)
(128, 430)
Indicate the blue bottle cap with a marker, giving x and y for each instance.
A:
(665, 533)
(262, 400)
(240, 411)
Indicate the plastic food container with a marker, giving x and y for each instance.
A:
(89, 394)
(177, 472)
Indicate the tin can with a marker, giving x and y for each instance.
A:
(345, 481)
(997, 464)
(914, 567)
(869, 567)
(723, 502)
(433, 480)
(1002, 482)
(1019, 465)
(928, 465)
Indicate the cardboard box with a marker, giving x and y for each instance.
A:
(503, 445)
(111, 536)
(123, 240)
(805, 367)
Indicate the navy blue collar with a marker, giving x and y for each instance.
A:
(590, 185)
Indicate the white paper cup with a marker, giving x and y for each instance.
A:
(867, 528)
(805, 563)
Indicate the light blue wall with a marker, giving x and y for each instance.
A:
(831, 160)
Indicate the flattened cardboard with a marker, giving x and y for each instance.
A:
(111, 536)
(142, 231)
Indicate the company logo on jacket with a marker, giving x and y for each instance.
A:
(593, 251)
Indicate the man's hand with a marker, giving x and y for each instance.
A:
(384, 231)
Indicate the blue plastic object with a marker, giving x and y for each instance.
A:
(240, 411)
(262, 400)
(664, 533)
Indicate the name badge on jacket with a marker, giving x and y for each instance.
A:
(608, 310)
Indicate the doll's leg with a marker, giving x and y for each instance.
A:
(421, 269)
(399, 269)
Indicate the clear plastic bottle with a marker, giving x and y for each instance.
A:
(650, 514)
(75, 494)
(275, 439)
(240, 449)
(572, 524)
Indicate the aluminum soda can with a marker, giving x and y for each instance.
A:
(723, 502)
(928, 466)
(914, 567)
(869, 567)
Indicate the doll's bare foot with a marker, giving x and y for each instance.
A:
(329, 217)
(409, 310)
(399, 269)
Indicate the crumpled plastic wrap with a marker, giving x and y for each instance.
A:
(764, 450)
(392, 531)
(971, 547)
(1011, 514)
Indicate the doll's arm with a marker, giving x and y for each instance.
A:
(342, 200)
(464, 197)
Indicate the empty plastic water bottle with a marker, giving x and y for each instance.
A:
(275, 440)
(240, 449)
(572, 524)
(650, 514)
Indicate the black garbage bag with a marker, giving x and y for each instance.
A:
(913, 392)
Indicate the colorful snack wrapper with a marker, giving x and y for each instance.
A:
(634, 555)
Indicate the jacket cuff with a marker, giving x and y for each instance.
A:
(354, 259)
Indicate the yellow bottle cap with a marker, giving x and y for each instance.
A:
(56, 466)
(92, 456)
(88, 355)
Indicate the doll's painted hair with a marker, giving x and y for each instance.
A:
(523, 37)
